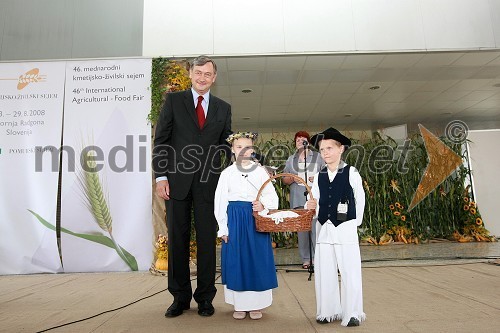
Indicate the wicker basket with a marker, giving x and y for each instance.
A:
(299, 223)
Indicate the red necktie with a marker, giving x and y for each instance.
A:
(200, 113)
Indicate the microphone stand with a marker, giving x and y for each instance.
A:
(310, 269)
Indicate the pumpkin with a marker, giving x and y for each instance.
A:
(161, 264)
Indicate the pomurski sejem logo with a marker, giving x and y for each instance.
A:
(31, 76)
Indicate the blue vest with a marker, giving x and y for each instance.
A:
(331, 194)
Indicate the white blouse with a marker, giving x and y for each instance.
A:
(238, 183)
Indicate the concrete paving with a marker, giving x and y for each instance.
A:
(448, 287)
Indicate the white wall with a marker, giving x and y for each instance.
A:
(485, 164)
(398, 132)
(228, 27)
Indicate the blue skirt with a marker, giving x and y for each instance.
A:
(247, 260)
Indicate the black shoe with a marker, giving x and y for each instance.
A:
(322, 321)
(353, 322)
(176, 309)
(205, 308)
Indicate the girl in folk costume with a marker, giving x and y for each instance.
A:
(247, 261)
(338, 190)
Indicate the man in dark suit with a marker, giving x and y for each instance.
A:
(190, 134)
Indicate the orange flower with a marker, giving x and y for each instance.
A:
(403, 217)
(466, 207)
(472, 210)
(472, 203)
(466, 199)
(391, 207)
(479, 221)
(399, 205)
(397, 213)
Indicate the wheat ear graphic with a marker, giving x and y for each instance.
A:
(97, 203)
(29, 78)
(95, 199)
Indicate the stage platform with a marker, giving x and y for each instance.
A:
(438, 287)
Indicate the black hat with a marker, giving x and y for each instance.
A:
(330, 133)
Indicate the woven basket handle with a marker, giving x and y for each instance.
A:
(296, 178)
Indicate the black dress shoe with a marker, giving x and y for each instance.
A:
(205, 308)
(322, 321)
(176, 309)
(353, 322)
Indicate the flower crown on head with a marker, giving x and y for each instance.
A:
(239, 135)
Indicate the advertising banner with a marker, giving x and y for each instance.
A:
(106, 181)
(31, 109)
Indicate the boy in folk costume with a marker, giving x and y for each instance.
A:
(247, 260)
(338, 190)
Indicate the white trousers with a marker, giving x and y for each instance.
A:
(335, 301)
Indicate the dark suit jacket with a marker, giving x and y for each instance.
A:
(181, 148)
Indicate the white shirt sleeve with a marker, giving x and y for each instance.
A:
(161, 178)
(315, 193)
(221, 202)
(268, 197)
(359, 194)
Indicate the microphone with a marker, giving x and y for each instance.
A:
(305, 143)
(256, 158)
